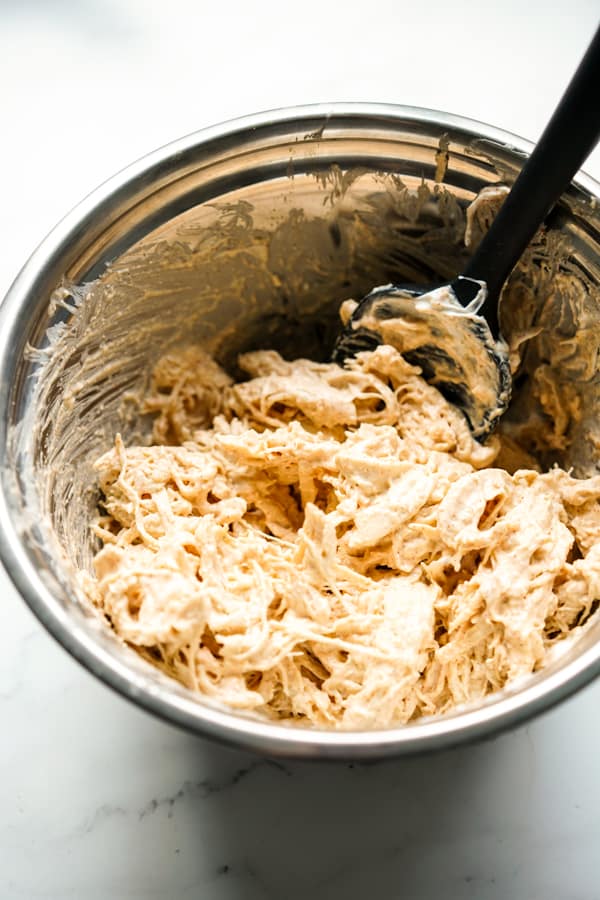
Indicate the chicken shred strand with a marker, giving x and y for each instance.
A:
(330, 546)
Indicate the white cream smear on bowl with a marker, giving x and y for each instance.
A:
(332, 547)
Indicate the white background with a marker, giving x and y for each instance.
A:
(98, 800)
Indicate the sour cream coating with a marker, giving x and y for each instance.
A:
(331, 547)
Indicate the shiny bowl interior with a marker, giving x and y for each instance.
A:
(241, 236)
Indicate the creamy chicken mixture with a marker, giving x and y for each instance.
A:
(331, 546)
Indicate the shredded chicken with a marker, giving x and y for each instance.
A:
(330, 546)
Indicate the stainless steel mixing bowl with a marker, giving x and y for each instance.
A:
(242, 235)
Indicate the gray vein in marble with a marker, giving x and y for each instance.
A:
(206, 787)
(189, 789)
(103, 813)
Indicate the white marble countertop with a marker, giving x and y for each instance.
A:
(97, 799)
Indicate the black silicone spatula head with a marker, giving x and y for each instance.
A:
(452, 331)
(452, 345)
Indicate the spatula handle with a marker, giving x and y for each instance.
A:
(568, 139)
